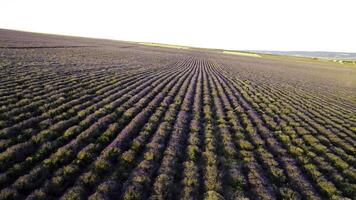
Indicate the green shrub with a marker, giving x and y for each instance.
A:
(128, 156)
(212, 195)
(327, 187)
(245, 145)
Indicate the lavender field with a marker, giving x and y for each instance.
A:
(99, 119)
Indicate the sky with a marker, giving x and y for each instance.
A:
(284, 25)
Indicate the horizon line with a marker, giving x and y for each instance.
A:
(182, 45)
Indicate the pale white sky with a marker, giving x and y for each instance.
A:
(327, 25)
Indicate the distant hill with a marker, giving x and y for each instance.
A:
(314, 54)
